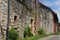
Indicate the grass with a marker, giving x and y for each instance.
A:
(41, 34)
(34, 37)
(58, 33)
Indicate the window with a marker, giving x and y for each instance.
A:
(15, 17)
(31, 21)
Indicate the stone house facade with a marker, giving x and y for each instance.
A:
(3, 20)
(58, 27)
(49, 20)
(26, 13)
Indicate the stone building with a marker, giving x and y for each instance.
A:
(20, 16)
(26, 13)
(3, 19)
(59, 27)
(49, 19)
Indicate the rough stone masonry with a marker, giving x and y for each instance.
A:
(21, 14)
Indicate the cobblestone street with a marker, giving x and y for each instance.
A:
(55, 37)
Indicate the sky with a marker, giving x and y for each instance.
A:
(54, 5)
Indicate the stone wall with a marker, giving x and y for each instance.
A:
(46, 19)
(21, 13)
(3, 18)
(23, 16)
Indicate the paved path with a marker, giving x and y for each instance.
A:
(54, 37)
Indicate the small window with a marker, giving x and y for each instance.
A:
(15, 17)
(31, 20)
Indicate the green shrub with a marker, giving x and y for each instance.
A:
(58, 33)
(27, 31)
(41, 32)
(13, 35)
(51, 34)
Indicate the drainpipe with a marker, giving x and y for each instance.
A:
(8, 20)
